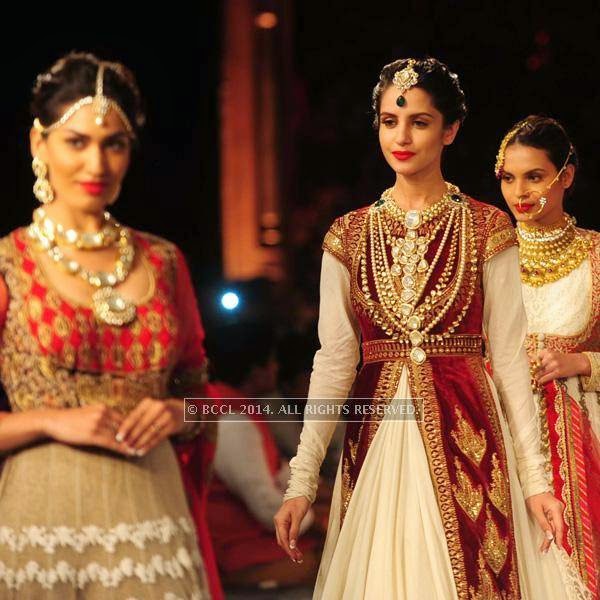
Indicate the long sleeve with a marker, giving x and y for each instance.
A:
(334, 371)
(505, 324)
(246, 472)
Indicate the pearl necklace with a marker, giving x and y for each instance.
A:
(399, 309)
(108, 305)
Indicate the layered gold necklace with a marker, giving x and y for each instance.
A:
(547, 254)
(395, 296)
(108, 305)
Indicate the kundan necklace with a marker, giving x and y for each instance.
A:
(105, 237)
(395, 295)
(547, 254)
(108, 305)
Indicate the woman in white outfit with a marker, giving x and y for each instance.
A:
(433, 506)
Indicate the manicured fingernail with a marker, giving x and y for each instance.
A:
(119, 437)
(293, 544)
(132, 451)
(140, 452)
(294, 560)
(549, 535)
(300, 561)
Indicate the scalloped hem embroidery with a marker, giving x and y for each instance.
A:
(63, 572)
(161, 530)
(575, 588)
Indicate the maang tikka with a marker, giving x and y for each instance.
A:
(404, 79)
(101, 104)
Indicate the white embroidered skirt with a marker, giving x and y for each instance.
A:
(87, 524)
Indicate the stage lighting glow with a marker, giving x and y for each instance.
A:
(230, 300)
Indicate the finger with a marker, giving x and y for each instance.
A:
(559, 525)
(149, 441)
(548, 377)
(130, 420)
(294, 528)
(277, 534)
(546, 528)
(106, 439)
(145, 414)
(153, 435)
(145, 428)
(282, 528)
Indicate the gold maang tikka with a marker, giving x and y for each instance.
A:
(100, 103)
(404, 79)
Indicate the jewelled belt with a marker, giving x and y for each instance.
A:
(455, 345)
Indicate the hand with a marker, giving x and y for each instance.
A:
(151, 422)
(93, 425)
(554, 365)
(548, 512)
(287, 523)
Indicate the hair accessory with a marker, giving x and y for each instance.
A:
(101, 105)
(404, 79)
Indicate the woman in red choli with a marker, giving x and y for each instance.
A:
(101, 340)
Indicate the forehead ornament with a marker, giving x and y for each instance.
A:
(404, 79)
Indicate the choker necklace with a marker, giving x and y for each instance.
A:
(547, 254)
(108, 305)
(55, 232)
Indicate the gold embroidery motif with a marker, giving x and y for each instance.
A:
(353, 446)
(471, 443)
(467, 495)
(495, 547)
(62, 368)
(333, 241)
(501, 235)
(486, 589)
(421, 384)
(347, 487)
(499, 493)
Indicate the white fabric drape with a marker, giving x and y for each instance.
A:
(392, 542)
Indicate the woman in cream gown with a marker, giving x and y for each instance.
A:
(432, 507)
(560, 271)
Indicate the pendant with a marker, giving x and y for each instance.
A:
(111, 308)
(418, 355)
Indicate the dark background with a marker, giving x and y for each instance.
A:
(513, 59)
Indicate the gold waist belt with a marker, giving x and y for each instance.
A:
(455, 345)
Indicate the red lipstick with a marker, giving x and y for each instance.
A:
(403, 155)
(94, 188)
(523, 208)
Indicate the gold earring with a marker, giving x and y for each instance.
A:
(42, 189)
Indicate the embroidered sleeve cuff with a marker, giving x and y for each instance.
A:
(592, 383)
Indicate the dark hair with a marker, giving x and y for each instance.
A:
(545, 134)
(73, 77)
(435, 78)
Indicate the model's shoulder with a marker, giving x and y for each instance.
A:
(493, 227)
(156, 243)
(340, 239)
(15, 239)
(489, 214)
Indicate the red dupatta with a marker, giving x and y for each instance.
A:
(196, 456)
